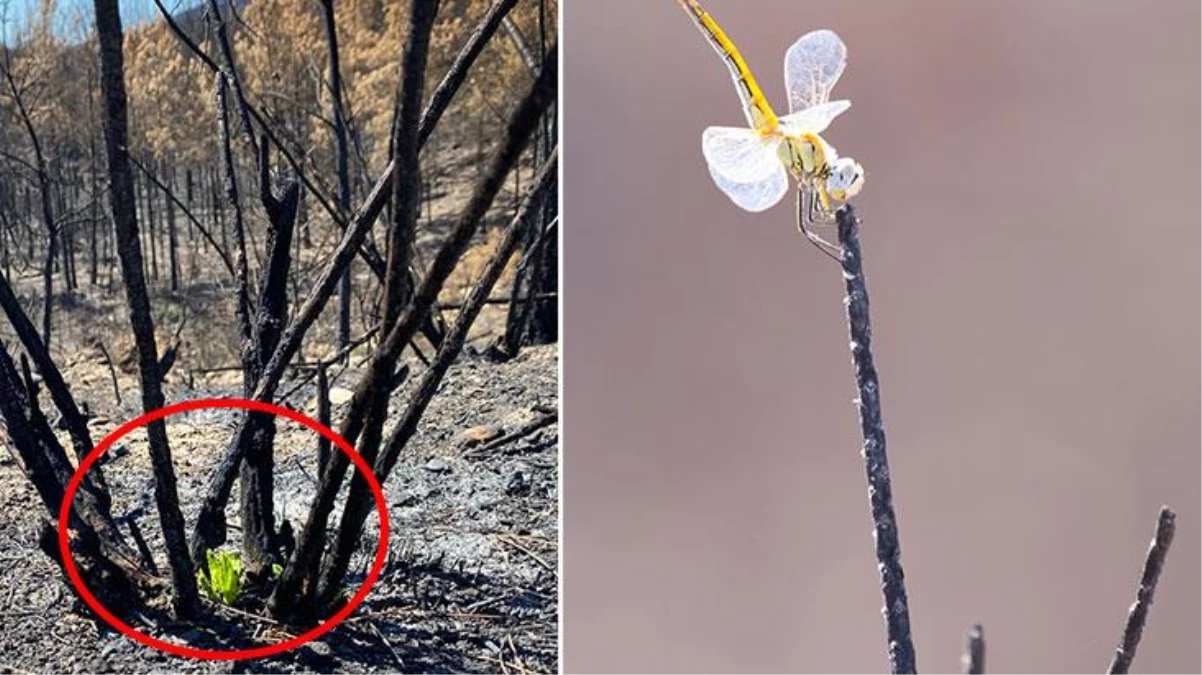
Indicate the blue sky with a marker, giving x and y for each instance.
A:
(133, 12)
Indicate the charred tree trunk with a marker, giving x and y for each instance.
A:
(94, 209)
(6, 262)
(259, 542)
(242, 275)
(69, 278)
(172, 241)
(189, 196)
(121, 196)
(528, 299)
(544, 327)
(407, 179)
(151, 239)
(341, 155)
(215, 210)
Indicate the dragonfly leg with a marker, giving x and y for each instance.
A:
(821, 212)
(809, 213)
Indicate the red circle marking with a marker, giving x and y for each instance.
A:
(218, 654)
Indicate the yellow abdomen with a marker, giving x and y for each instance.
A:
(755, 106)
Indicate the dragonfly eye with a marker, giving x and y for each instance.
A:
(846, 179)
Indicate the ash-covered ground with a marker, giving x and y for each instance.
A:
(471, 580)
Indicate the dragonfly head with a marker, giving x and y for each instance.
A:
(846, 179)
(803, 154)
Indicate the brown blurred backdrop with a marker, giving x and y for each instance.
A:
(1031, 234)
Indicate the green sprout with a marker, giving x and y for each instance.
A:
(223, 582)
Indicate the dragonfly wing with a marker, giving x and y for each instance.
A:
(812, 67)
(756, 195)
(744, 165)
(740, 154)
(814, 119)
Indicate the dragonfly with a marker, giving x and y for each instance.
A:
(752, 164)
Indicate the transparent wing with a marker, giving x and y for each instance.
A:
(814, 119)
(740, 154)
(812, 67)
(756, 195)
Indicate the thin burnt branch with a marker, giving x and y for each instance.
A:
(324, 446)
(230, 180)
(108, 360)
(876, 463)
(1137, 616)
(217, 25)
(341, 157)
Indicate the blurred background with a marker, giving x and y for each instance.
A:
(1031, 233)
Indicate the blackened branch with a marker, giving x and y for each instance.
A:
(1137, 616)
(876, 464)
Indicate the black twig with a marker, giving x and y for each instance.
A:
(1137, 616)
(876, 464)
(143, 548)
(974, 651)
(112, 371)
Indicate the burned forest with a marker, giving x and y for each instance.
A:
(261, 218)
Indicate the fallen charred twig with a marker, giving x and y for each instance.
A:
(313, 367)
(512, 541)
(499, 301)
(531, 427)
